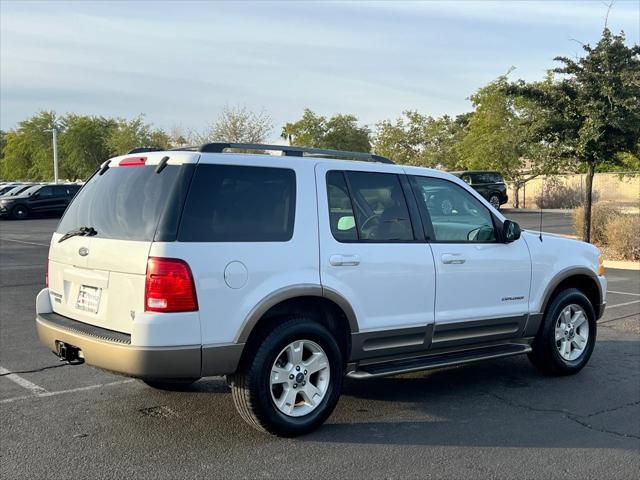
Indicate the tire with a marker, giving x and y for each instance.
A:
(170, 383)
(256, 390)
(494, 200)
(549, 355)
(19, 212)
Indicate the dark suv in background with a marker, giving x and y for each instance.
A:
(38, 200)
(488, 184)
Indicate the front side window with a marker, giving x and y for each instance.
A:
(341, 217)
(368, 207)
(229, 203)
(456, 215)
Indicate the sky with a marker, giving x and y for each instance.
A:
(181, 62)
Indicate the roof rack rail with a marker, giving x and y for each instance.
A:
(295, 151)
(145, 149)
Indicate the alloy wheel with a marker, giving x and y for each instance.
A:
(572, 332)
(299, 378)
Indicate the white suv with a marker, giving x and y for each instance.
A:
(286, 272)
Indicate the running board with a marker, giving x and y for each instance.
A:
(438, 360)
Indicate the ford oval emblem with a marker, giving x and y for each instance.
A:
(83, 252)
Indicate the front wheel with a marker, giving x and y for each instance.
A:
(291, 383)
(567, 336)
(19, 212)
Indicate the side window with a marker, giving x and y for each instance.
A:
(228, 203)
(60, 191)
(381, 212)
(341, 218)
(45, 192)
(456, 215)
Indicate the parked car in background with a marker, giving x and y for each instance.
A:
(38, 200)
(488, 184)
(16, 190)
(8, 187)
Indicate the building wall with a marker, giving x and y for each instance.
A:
(610, 187)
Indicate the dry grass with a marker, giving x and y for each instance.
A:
(601, 215)
(623, 236)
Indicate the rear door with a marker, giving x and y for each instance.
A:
(372, 253)
(100, 279)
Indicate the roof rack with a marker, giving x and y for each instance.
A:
(144, 150)
(292, 151)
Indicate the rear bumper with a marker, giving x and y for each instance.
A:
(110, 351)
(114, 351)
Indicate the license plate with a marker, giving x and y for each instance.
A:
(88, 299)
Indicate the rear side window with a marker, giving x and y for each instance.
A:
(229, 203)
(123, 203)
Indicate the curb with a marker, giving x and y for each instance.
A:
(622, 264)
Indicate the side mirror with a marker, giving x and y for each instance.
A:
(510, 231)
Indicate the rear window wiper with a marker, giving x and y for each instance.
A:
(82, 231)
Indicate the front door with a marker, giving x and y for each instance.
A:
(372, 255)
(482, 282)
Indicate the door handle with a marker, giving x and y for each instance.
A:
(344, 260)
(453, 258)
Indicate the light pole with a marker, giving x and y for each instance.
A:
(55, 153)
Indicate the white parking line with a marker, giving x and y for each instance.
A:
(23, 382)
(624, 293)
(22, 241)
(46, 393)
(622, 304)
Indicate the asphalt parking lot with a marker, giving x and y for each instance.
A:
(498, 419)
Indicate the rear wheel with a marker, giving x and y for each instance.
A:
(494, 200)
(19, 212)
(292, 382)
(567, 336)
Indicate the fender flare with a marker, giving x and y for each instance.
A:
(289, 292)
(564, 274)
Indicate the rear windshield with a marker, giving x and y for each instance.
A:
(228, 203)
(123, 203)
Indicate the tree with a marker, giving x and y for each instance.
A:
(28, 151)
(499, 137)
(340, 132)
(416, 139)
(129, 134)
(591, 108)
(84, 144)
(236, 125)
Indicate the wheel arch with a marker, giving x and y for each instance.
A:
(324, 305)
(581, 278)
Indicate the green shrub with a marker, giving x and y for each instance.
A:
(601, 215)
(623, 236)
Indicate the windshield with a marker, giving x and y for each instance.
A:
(123, 203)
(17, 190)
(31, 190)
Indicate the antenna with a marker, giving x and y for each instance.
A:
(540, 237)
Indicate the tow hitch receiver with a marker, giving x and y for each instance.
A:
(68, 353)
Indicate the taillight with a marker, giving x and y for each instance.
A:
(169, 286)
(46, 274)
